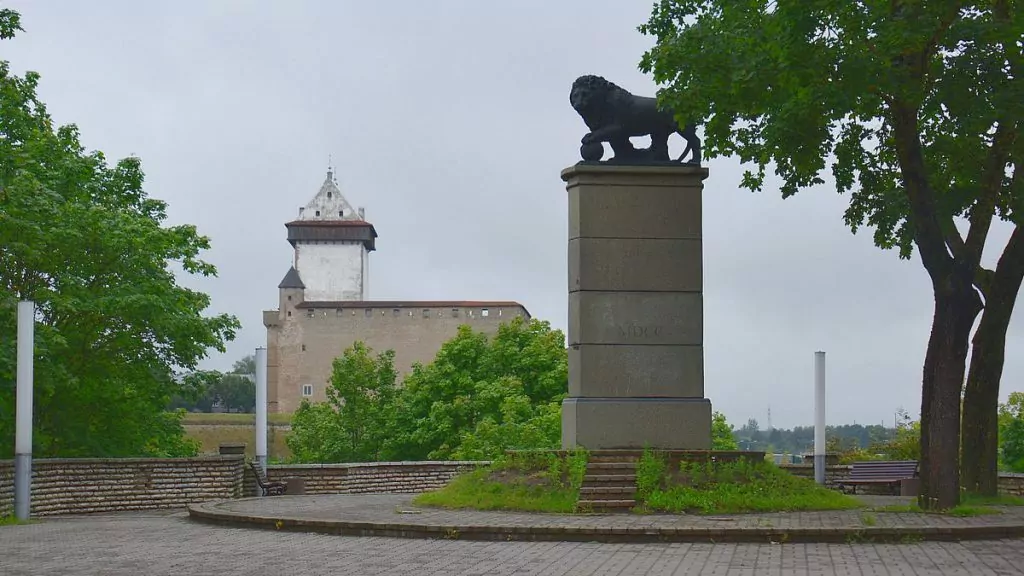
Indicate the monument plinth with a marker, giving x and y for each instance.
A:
(636, 312)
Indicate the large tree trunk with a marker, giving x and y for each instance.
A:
(980, 463)
(957, 304)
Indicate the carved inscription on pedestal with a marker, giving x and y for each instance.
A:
(639, 331)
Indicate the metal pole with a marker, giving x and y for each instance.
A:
(261, 409)
(819, 417)
(23, 418)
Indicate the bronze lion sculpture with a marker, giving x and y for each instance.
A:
(614, 115)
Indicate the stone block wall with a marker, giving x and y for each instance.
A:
(365, 477)
(6, 488)
(833, 474)
(1011, 484)
(84, 485)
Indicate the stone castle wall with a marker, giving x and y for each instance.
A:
(304, 338)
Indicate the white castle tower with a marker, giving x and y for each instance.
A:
(332, 244)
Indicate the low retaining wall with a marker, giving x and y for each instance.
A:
(363, 477)
(1009, 483)
(833, 474)
(83, 485)
(76, 486)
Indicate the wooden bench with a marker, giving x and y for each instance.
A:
(266, 486)
(891, 472)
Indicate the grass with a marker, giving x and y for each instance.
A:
(525, 481)
(730, 487)
(961, 510)
(11, 520)
(1000, 500)
(970, 505)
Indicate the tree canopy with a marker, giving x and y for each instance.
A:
(479, 397)
(915, 108)
(84, 241)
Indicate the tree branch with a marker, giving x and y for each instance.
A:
(928, 232)
(991, 184)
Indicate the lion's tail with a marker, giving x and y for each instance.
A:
(689, 148)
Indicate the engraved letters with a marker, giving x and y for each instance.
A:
(638, 331)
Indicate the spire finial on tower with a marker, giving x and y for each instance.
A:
(330, 168)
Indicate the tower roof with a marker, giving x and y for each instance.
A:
(329, 204)
(292, 280)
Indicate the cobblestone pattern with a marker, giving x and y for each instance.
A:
(359, 478)
(74, 486)
(169, 545)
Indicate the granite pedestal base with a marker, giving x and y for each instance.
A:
(636, 309)
(636, 423)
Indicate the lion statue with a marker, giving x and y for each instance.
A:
(614, 115)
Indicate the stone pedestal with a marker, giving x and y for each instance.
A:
(636, 311)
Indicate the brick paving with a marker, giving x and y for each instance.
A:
(387, 510)
(169, 544)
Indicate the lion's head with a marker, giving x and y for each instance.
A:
(590, 95)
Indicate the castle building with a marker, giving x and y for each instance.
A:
(324, 306)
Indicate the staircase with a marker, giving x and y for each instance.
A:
(609, 484)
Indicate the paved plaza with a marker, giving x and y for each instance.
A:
(168, 543)
(396, 515)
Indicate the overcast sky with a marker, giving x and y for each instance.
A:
(449, 122)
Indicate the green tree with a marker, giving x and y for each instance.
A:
(518, 424)
(1011, 432)
(471, 380)
(84, 241)
(352, 426)
(247, 365)
(236, 392)
(917, 107)
(722, 433)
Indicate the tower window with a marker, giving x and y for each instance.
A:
(341, 213)
(328, 193)
(317, 212)
(289, 298)
(303, 347)
(369, 312)
(310, 313)
(455, 312)
(307, 390)
(396, 312)
(485, 312)
(426, 313)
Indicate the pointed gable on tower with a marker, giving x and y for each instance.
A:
(329, 203)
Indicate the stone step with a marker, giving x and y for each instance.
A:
(607, 493)
(604, 479)
(613, 458)
(610, 467)
(606, 505)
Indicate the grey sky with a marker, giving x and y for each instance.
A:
(449, 121)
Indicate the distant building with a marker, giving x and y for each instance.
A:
(324, 306)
